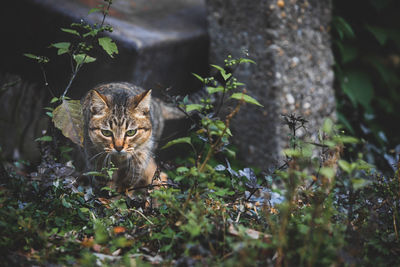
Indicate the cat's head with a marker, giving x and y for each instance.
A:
(119, 124)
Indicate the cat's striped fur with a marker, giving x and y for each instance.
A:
(122, 125)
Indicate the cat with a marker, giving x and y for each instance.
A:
(122, 125)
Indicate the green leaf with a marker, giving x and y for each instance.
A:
(39, 59)
(224, 75)
(54, 99)
(246, 98)
(94, 173)
(84, 210)
(327, 172)
(93, 33)
(230, 152)
(246, 60)
(348, 140)
(93, 10)
(212, 90)
(82, 59)
(359, 183)
(344, 165)
(218, 67)
(386, 73)
(66, 203)
(45, 138)
(327, 127)
(198, 77)
(379, 33)
(182, 169)
(63, 47)
(32, 56)
(343, 28)
(100, 233)
(192, 107)
(108, 45)
(358, 87)
(181, 140)
(71, 31)
(292, 152)
(348, 52)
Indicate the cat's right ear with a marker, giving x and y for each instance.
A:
(98, 103)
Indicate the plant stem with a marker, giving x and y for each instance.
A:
(216, 144)
(79, 66)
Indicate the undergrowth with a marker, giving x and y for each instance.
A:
(315, 210)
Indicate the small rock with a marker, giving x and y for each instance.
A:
(290, 99)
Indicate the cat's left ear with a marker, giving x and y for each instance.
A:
(142, 102)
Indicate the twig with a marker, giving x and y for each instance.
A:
(140, 213)
(151, 186)
(46, 83)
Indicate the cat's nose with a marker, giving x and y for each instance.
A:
(118, 148)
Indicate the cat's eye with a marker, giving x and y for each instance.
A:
(130, 132)
(106, 133)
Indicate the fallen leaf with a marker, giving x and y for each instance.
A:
(253, 234)
(68, 118)
(87, 242)
(119, 230)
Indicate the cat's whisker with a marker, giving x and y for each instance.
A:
(105, 161)
(98, 154)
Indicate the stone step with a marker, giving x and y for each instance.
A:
(160, 42)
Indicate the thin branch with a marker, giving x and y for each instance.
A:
(141, 214)
(46, 83)
(79, 66)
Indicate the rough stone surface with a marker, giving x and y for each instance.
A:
(290, 42)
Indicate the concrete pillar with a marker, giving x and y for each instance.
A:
(290, 41)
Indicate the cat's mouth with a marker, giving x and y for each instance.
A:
(119, 157)
(121, 153)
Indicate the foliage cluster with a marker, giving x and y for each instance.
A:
(366, 43)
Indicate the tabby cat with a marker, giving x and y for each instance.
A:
(122, 124)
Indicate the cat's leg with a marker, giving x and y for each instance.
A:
(149, 172)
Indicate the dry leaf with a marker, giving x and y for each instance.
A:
(119, 229)
(68, 118)
(87, 242)
(253, 234)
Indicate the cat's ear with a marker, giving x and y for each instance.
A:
(98, 102)
(141, 102)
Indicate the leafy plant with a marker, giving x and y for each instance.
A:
(366, 47)
(68, 115)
